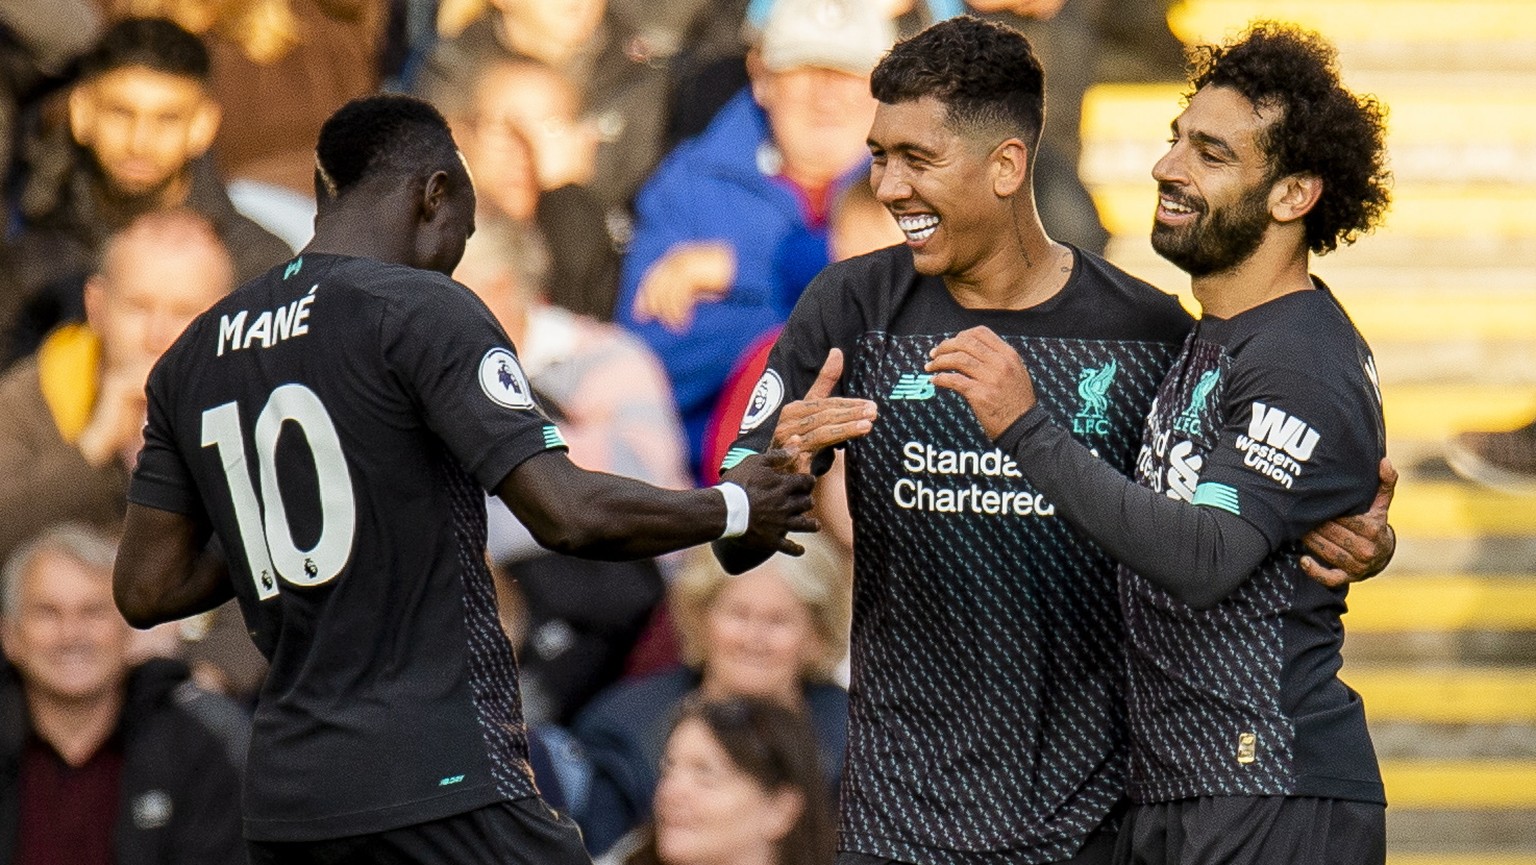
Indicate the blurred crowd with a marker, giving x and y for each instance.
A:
(657, 182)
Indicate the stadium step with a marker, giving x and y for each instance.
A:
(1442, 647)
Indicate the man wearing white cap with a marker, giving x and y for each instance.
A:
(732, 226)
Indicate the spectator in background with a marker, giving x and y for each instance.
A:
(776, 633)
(622, 79)
(71, 416)
(38, 43)
(732, 226)
(142, 119)
(739, 784)
(610, 397)
(101, 762)
(531, 154)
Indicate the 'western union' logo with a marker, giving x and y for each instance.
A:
(913, 385)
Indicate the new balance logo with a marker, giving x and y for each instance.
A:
(913, 386)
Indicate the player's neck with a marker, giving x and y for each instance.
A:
(1022, 271)
(76, 729)
(1274, 269)
(348, 230)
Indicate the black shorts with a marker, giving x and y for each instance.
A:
(524, 832)
(1099, 850)
(1254, 830)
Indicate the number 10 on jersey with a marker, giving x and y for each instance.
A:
(265, 534)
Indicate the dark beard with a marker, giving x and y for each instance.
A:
(1219, 240)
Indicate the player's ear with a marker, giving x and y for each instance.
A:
(1293, 196)
(434, 195)
(1010, 167)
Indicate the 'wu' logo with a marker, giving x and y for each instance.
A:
(1188, 421)
(1280, 430)
(913, 386)
(1092, 385)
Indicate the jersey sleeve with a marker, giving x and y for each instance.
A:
(460, 368)
(824, 318)
(1300, 447)
(162, 479)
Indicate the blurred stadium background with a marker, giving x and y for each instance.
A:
(1443, 647)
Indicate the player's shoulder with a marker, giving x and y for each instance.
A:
(1307, 332)
(1154, 313)
(871, 281)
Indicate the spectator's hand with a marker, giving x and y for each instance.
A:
(988, 372)
(779, 498)
(1040, 10)
(1354, 548)
(688, 274)
(820, 420)
(116, 427)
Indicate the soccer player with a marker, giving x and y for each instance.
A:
(986, 719)
(333, 423)
(1245, 746)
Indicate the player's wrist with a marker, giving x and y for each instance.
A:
(738, 509)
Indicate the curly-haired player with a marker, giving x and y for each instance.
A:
(1245, 745)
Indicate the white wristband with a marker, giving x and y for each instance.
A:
(737, 510)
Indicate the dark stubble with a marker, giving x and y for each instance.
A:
(1217, 240)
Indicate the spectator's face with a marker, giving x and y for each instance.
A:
(819, 119)
(543, 109)
(1214, 184)
(709, 811)
(148, 295)
(759, 637)
(500, 158)
(560, 22)
(142, 126)
(940, 186)
(65, 635)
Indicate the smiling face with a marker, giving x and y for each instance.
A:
(1215, 184)
(64, 633)
(759, 637)
(938, 184)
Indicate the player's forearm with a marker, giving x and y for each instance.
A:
(163, 573)
(1197, 554)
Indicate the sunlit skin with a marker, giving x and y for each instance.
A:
(818, 118)
(65, 634)
(143, 127)
(709, 812)
(1215, 164)
(964, 205)
(499, 157)
(759, 638)
(551, 31)
(545, 110)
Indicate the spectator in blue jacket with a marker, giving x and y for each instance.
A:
(732, 226)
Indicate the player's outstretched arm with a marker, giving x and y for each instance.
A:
(594, 515)
(1357, 547)
(163, 570)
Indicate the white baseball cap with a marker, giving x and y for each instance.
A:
(847, 35)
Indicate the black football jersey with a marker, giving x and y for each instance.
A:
(337, 421)
(985, 719)
(1273, 415)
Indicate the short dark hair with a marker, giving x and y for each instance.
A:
(1321, 128)
(388, 135)
(985, 73)
(158, 44)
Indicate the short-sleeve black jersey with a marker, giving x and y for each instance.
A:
(985, 722)
(335, 421)
(1272, 415)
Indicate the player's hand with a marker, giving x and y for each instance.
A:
(986, 371)
(688, 274)
(780, 498)
(1354, 548)
(820, 420)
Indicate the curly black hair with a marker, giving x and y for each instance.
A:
(1321, 128)
(986, 75)
(388, 135)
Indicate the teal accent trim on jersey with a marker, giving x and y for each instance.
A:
(450, 780)
(1214, 495)
(553, 438)
(733, 458)
(293, 267)
(914, 386)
